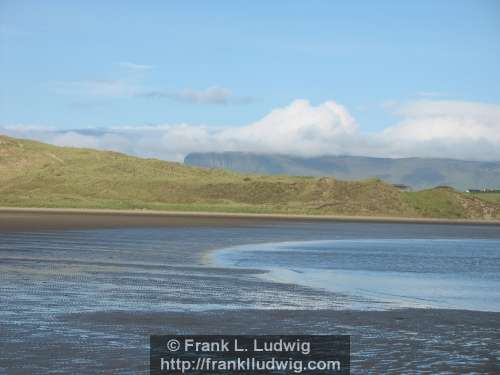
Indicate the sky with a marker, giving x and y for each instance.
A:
(165, 78)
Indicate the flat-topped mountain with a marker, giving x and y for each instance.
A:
(34, 174)
(419, 173)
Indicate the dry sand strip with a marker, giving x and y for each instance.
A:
(33, 219)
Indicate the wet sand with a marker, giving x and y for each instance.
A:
(393, 342)
(85, 301)
(33, 219)
(47, 219)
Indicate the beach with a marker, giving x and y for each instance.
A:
(395, 342)
(278, 175)
(28, 219)
(81, 293)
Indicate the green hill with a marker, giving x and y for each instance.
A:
(419, 173)
(34, 174)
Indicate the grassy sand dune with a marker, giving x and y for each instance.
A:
(34, 174)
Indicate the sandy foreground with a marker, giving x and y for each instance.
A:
(86, 301)
(33, 219)
(390, 342)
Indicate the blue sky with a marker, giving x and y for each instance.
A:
(95, 64)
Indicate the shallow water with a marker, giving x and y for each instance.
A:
(384, 273)
(85, 301)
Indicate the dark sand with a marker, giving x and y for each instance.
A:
(34, 219)
(397, 342)
(409, 341)
(52, 319)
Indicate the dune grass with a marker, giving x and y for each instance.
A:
(491, 197)
(33, 174)
(440, 202)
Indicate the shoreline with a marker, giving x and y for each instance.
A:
(100, 289)
(33, 219)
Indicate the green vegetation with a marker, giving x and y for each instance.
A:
(34, 174)
(419, 173)
(439, 202)
(492, 197)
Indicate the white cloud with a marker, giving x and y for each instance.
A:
(133, 66)
(120, 88)
(23, 128)
(453, 129)
(298, 128)
(106, 141)
(456, 129)
(211, 95)
(450, 121)
(214, 95)
(448, 108)
(131, 84)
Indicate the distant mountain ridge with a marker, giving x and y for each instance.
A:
(34, 174)
(418, 173)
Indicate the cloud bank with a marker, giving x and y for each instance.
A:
(426, 128)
